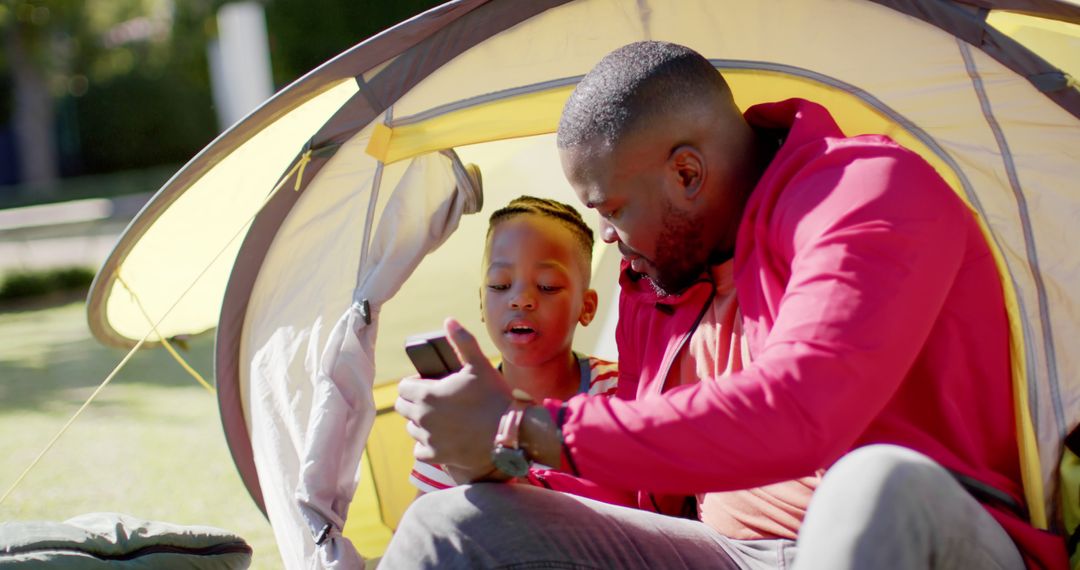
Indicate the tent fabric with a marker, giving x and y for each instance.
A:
(969, 24)
(310, 512)
(173, 284)
(952, 80)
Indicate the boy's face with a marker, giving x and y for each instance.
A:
(534, 291)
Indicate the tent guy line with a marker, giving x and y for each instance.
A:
(164, 341)
(298, 169)
(78, 412)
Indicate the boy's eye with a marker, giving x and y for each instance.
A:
(498, 286)
(549, 288)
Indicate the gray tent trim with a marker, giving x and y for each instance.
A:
(367, 93)
(482, 99)
(969, 24)
(373, 199)
(1029, 245)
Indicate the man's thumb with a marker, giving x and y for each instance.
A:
(468, 350)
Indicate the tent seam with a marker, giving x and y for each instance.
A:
(645, 16)
(477, 100)
(373, 199)
(1029, 238)
(367, 93)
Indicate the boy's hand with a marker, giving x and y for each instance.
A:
(454, 419)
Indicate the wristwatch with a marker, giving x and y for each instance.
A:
(507, 456)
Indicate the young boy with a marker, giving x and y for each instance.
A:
(537, 267)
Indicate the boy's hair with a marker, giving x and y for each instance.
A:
(634, 85)
(563, 213)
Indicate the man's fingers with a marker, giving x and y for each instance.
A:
(416, 432)
(405, 409)
(465, 344)
(423, 453)
(412, 388)
(421, 450)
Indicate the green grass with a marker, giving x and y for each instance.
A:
(151, 444)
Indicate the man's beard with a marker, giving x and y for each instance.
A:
(680, 257)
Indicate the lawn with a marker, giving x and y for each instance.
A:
(151, 445)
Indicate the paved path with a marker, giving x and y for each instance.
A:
(76, 233)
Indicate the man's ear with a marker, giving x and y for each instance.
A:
(588, 307)
(688, 166)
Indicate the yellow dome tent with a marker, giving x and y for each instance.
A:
(303, 229)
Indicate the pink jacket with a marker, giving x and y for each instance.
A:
(873, 313)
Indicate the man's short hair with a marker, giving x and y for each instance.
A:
(633, 84)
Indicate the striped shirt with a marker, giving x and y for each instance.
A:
(603, 378)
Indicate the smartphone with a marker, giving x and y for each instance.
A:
(432, 355)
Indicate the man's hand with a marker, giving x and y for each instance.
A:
(454, 419)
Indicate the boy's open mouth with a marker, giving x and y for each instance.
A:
(520, 333)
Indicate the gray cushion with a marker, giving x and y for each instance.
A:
(113, 540)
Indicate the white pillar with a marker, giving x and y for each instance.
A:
(240, 62)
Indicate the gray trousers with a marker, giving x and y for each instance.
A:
(879, 507)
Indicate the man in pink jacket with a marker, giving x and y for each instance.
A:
(794, 301)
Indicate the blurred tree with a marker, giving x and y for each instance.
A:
(95, 86)
(55, 51)
(148, 98)
(28, 57)
(306, 33)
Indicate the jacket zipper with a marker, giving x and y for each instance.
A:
(542, 480)
(669, 359)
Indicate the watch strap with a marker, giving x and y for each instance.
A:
(509, 431)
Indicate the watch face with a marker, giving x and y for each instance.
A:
(510, 461)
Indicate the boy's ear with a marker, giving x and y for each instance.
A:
(588, 307)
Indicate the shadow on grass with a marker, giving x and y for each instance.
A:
(49, 360)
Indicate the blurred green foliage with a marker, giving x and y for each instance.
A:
(28, 284)
(135, 121)
(130, 78)
(306, 33)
